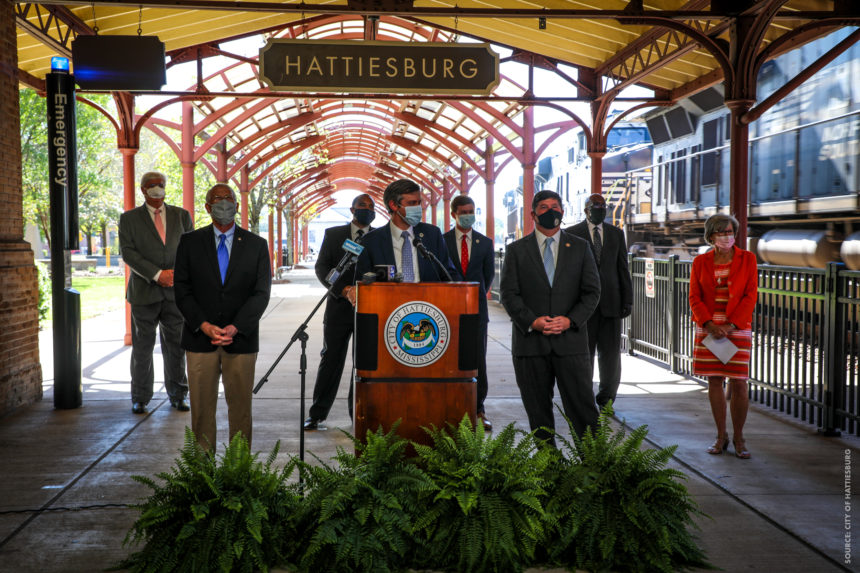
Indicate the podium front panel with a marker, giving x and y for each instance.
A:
(420, 331)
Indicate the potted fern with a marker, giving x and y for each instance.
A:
(229, 513)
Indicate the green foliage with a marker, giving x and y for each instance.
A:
(485, 512)
(616, 507)
(231, 513)
(358, 516)
(467, 503)
(99, 166)
(44, 304)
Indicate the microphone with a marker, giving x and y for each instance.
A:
(352, 249)
(430, 256)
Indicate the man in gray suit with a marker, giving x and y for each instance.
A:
(148, 237)
(550, 287)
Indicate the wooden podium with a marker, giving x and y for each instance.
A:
(416, 356)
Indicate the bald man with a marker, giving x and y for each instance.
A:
(338, 323)
(222, 280)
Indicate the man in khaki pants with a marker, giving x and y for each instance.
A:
(222, 280)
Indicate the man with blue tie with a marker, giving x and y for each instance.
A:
(222, 281)
(550, 287)
(393, 244)
(472, 255)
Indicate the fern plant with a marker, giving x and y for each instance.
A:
(485, 512)
(617, 507)
(358, 515)
(227, 513)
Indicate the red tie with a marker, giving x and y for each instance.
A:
(464, 255)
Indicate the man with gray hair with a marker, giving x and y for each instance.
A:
(148, 237)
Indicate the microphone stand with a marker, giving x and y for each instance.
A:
(428, 254)
(302, 335)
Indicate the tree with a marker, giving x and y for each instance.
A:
(98, 165)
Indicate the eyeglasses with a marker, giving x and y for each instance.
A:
(725, 234)
(216, 198)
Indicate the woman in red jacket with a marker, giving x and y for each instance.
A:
(723, 293)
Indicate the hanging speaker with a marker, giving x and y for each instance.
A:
(119, 63)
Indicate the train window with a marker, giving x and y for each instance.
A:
(625, 136)
(727, 132)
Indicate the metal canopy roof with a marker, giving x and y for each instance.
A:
(672, 47)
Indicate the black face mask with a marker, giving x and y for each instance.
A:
(596, 215)
(364, 216)
(549, 219)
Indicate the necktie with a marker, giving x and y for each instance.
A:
(464, 255)
(548, 263)
(406, 259)
(598, 244)
(223, 256)
(358, 235)
(159, 225)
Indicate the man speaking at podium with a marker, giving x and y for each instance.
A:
(399, 242)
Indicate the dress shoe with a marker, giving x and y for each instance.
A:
(488, 425)
(314, 424)
(181, 404)
(138, 407)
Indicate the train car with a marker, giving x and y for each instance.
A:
(626, 172)
(804, 166)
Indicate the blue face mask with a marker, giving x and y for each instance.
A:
(364, 216)
(413, 215)
(466, 221)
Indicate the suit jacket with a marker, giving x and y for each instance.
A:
(616, 286)
(378, 250)
(338, 309)
(145, 254)
(527, 294)
(240, 301)
(481, 269)
(743, 288)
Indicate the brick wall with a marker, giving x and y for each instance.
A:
(20, 371)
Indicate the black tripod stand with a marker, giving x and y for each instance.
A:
(302, 335)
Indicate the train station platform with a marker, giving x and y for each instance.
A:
(66, 480)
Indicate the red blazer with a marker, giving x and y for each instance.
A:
(743, 288)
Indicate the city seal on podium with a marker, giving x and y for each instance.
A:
(417, 334)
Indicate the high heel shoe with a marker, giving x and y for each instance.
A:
(720, 445)
(741, 450)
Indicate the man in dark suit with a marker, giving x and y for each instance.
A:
(148, 236)
(472, 255)
(223, 280)
(392, 244)
(616, 299)
(339, 319)
(550, 287)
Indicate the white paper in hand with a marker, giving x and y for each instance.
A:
(722, 348)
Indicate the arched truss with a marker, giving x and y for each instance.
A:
(360, 144)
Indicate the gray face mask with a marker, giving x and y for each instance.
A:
(223, 212)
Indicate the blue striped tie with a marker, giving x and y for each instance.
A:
(406, 259)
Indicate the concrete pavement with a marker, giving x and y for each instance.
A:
(65, 477)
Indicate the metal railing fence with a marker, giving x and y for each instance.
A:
(805, 358)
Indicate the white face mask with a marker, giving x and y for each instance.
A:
(724, 243)
(156, 192)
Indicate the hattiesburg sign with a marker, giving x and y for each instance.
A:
(367, 66)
